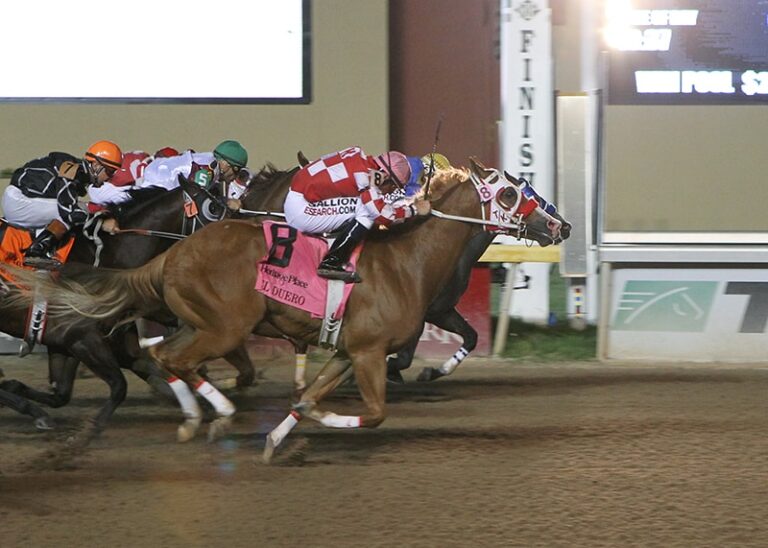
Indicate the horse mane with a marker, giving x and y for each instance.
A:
(443, 180)
(265, 176)
(139, 198)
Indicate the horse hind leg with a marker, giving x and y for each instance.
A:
(181, 355)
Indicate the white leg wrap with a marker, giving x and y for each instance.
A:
(151, 341)
(284, 428)
(301, 368)
(340, 421)
(187, 400)
(448, 367)
(223, 407)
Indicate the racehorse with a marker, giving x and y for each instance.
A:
(267, 194)
(153, 212)
(402, 271)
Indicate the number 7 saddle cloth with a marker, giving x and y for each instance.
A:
(13, 239)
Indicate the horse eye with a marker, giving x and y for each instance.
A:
(508, 198)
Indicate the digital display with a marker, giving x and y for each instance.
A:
(673, 52)
(185, 51)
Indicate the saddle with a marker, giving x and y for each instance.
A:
(288, 274)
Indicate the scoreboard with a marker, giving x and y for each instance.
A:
(686, 52)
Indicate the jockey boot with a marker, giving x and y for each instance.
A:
(40, 252)
(332, 265)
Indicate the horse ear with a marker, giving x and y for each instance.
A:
(511, 178)
(478, 167)
(302, 159)
(186, 184)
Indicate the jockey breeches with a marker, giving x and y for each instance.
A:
(29, 212)
(325, 215)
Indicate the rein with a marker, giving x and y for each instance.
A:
(157, 233)
(516, 229)
(471, 220)
(251, 213)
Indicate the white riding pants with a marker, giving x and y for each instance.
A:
(325, 215)
(28, 212)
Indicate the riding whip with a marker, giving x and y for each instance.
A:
(432, 156)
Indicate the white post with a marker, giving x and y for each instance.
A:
(527, 123)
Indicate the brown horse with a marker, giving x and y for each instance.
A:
(208, 281)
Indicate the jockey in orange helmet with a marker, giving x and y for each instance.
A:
(44, 193)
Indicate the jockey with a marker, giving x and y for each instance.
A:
(221, 166)
(115, 190)
(348, 188)
(45, 192)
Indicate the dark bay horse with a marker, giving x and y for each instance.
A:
(70, 339)
(208, 281)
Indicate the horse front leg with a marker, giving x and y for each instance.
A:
(402, 360)
(61, 376)
(455, 323)
(42, 420)
(93, 351)
(370, 375)
(299, 373)
(333, 373)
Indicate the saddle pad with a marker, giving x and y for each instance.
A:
(14, 239)
(288, 273)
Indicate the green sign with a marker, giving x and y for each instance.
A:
(664, 306)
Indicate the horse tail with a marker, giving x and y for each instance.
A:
(98, 293)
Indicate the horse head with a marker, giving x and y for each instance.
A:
(516, 207)
(201, 206)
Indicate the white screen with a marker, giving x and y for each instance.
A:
(227, 50)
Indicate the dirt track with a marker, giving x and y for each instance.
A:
(501, 454)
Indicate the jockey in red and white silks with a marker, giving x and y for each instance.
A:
(338, 187)
(115, 190)
(164, 172)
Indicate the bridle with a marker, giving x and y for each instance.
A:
(195, 217)
(496, 215)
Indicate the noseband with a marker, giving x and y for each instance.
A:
(497, 214)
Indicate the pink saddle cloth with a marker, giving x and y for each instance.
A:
(288, 272)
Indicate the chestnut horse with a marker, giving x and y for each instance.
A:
(208, 281)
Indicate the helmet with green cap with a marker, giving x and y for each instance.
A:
(232, 152)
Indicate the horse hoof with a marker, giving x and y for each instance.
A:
(219, 428)
(44, 423)
(187, 430)
(269, 450)
(429, 374)
(395, 377)
(225, 384)
(244, 381)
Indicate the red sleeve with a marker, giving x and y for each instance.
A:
(132, 168)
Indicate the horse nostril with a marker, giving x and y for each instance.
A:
(555, 228)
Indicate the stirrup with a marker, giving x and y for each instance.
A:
(44, 263)
(343, 275)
